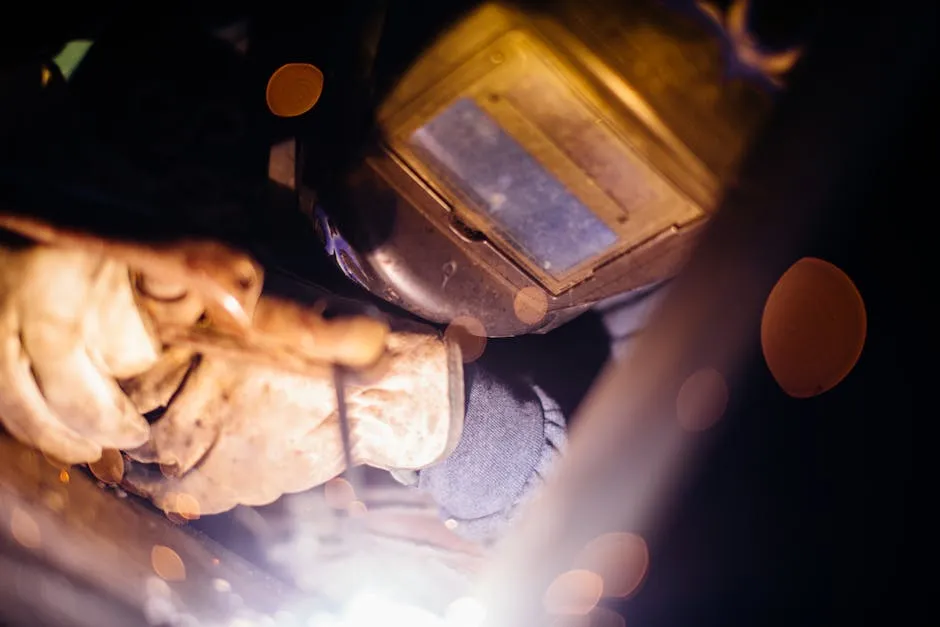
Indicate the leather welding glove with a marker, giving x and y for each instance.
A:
(69, 327)
(240, 433)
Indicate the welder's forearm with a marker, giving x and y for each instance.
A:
(512, 435)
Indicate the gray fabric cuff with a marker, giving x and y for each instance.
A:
(511, 439)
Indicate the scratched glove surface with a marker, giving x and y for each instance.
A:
(238, 433)
(69, 327)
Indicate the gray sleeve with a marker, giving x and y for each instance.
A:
(514, 433)
(511, 438)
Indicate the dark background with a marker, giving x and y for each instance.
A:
(804, 511)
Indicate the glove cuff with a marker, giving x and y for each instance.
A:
(457, 396)
(413, 415)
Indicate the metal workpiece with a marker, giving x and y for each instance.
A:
(74, 554)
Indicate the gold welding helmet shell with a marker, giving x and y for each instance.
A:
(530, 163)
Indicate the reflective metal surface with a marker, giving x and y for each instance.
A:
(74, 553)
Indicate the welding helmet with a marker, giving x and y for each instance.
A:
(528, 162)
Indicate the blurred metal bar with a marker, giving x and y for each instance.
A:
(842, 116)
(36, 594)
(72, 553)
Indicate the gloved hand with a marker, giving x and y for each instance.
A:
(240, 433)
(233, 432)
(69, 327)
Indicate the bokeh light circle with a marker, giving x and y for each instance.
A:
(702, 400)
(469, 334)
(813, 328)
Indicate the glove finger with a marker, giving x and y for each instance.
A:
(115, 332)
(192, 422)
(258, 470)
(168, 303)
(57, 293)
(154, 388)
(217, 485)
(243, 434)
(84, 399)
(261, 409)
(257, 474)
(205, 493)
(27, 417)
(244, 470)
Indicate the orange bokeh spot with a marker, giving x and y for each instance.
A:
(702, 400)
(468, 333)
(293, 89)
(187, 506)
(530, 305)
(575, 592)
(24, 529)
(813, 328)
(339, 493)
(167, 563)
(109, 468)
(619, 559)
